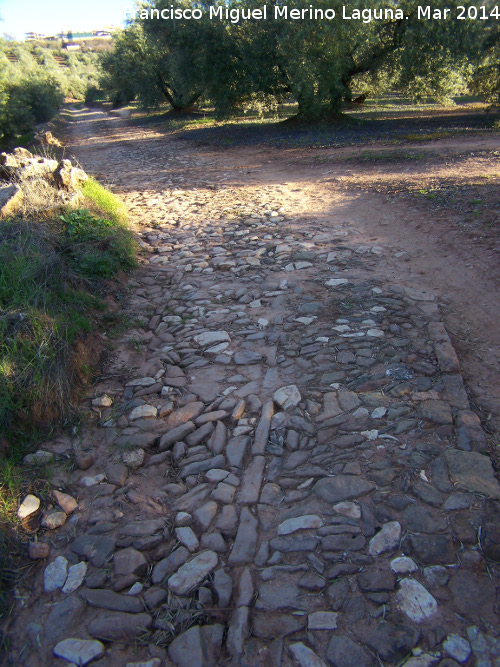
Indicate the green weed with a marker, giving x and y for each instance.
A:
(97, 246)
(50, 269)
(428, 136)
(45, 306)
(104, 201)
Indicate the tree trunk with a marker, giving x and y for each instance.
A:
(177, 103)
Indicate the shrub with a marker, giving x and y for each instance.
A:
(28, 102)
(34, 80)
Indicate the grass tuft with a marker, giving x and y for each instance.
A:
(51, 267)
(49, 273)
(97, 247)
(104, 202)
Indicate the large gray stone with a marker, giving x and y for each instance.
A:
(290, 543)
(235, 450)
(438, 412)
(129, 561)
(249, 491)
(237, 633)
(246, 357)
(474, 472)
(197, 467)
(185, 414)
(211, 338)
(175, 435)
(432, 549)
(341, 487)
(474, 597)
(142, 528)
(304, 656)
(486, 647)
(107, 599)
(79, 651)
(287, 397)
(119, 626)
(386, 540)
(269, 625)
(343, 652)
(376, 579)
(245, 544)
(457, 647)
(76, 575)
(392, 642)
(281, 595)
(189, 501)
(322, 620)
(415, 601)
(170, 564)
(331, 407)
(223, 585)
(263, 427)
(192, 573)
(55, 574)
(304, 522)
(199, 646)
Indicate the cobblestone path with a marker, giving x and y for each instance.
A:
(283, 467)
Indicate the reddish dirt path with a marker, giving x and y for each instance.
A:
(459, 266)
(368, 407)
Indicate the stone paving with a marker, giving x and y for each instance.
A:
(285, 469)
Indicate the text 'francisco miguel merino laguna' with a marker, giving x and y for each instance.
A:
(237, 14)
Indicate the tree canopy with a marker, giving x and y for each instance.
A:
(34, 81)
(229, 54)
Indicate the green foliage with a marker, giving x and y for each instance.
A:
(28, 102)
(485, 80)
(155, 65)
(96, 246)
(316, 61)
(45, 305)
(37, 304)
(34, 82)
(106, 203)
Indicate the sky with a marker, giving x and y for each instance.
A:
(52, 16)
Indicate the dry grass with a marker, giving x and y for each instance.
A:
(42, 200)
(175, 617)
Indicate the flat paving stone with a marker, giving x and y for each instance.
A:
(249, 492)
(245, 544)
(343, 652)
(269, 625)
(471, 471)
(305, 656)
(192, 573)
(277, 596)
(415, 601)
(79, 651)
(106, 599)
(341, 487)
(119, 626)
(290, 449)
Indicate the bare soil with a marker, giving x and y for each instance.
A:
(409, 214)
(436, 203)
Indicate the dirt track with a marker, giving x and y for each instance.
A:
(290, 471)
(458, 262)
